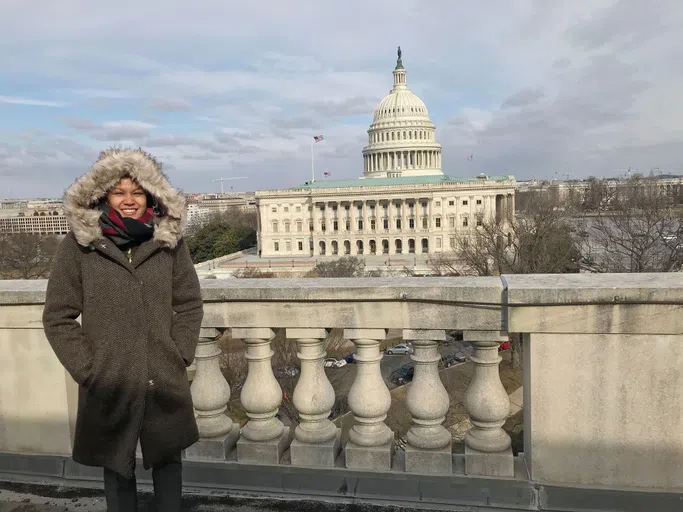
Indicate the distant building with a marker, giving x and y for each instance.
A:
(202, 206)
(37, 217)
(402, 204)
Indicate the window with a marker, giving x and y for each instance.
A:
(346, 207)
(452, 242)
(274, 209)
(398, 223)
(286, 209)
(437, 222)
(451, 222)
(437, 203)
(348, 225)
(464, 222)
(310, 225)
(299, 226)
(411, 223)
(360, 224)
(386, 223)
(298, 209)
(424, 205)
(335, 225)
(479, 223)
(276, 246)
(373, 224)
(322, 226)
(464, 202)
(424, 222)
(288, 246)
(438, 243)
(451, 203)
(301, 245)
(286, 226)
(478, 201)
(274, 226)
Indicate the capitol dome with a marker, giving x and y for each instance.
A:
(401, 137)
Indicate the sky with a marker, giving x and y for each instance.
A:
(223, 89)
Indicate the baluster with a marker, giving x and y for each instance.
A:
(429, 443)
(487, 446)
(371, 442)
(210, 395)
(264, 437)
(316, 439)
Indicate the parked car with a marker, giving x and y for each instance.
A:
(448, 361)
(333, 362)
(403, 375)
(403, 348)
(350, 358)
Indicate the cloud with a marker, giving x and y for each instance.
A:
(523, 98)
(17, 100)
(171, 105)
(112, 130)
(529, 87)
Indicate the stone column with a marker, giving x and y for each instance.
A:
(429, 443)
(487, 445)
(210, 395)
(264, 438)
(317, 441)
(404, 217)
(371, 442)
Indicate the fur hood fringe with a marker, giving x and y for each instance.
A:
(81, 198)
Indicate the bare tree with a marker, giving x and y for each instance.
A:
(539, 239)
(26, 255)
(598, 195)
(252, 273)
(347, 266)
(643, 231)
(444, 264)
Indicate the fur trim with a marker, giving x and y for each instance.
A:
(81, 197)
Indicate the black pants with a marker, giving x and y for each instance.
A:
(121, 493)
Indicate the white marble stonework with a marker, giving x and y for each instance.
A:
(402, 204)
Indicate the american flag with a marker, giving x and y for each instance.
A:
(327, 173)
(470, 157)
(317, 138)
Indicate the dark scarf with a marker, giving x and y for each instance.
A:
(126, 232)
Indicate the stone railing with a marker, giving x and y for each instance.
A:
(603, 376)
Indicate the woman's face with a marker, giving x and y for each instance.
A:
(128, 198)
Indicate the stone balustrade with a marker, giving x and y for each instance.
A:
(603, 375)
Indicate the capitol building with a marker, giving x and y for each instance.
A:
(402, 204)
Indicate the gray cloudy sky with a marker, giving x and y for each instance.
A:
(214, 88)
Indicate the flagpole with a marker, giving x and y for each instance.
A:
(312, 164)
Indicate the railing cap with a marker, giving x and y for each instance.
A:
(587, 289)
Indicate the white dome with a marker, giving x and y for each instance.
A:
(400, 104)
(401, 138)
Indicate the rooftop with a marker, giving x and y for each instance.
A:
(388, 182)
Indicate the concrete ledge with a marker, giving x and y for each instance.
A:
(324, 489)
(216, 448)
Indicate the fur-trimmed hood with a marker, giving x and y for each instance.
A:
(81, 198)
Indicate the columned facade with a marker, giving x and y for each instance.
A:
(389, 220)
(402, 206)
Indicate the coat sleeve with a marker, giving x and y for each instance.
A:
(63, 305)
(187, 304)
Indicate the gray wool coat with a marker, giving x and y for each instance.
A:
(139, 327)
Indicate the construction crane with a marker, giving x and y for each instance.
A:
(226, 179)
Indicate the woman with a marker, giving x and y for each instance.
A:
(125, 269)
